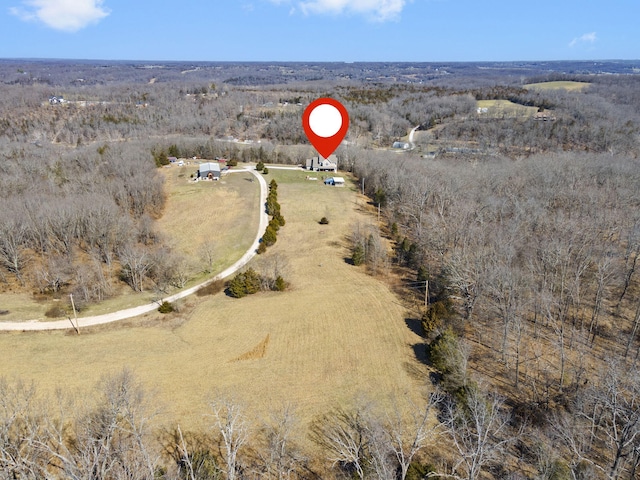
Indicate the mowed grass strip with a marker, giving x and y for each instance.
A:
(337, 334)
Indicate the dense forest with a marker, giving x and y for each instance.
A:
(523, 230)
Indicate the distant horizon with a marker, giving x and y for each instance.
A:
(141, 60)
(320, 30)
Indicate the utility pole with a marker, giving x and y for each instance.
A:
(426, 293)
(75, 315)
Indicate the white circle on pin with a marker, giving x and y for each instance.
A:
(325, 120)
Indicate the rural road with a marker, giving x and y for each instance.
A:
(411, 134)
(32, 325)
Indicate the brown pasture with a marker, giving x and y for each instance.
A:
(336, 335)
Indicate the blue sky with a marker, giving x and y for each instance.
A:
(321, 30)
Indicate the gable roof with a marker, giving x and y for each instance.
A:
(209, 167)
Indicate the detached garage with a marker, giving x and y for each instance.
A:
(209, 171)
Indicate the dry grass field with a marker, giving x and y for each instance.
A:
(559, 85)
(17, 306)
(505, 108)
(222, 215)
(335, 335)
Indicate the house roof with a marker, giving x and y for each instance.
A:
(209, 167)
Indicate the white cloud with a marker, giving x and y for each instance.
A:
(586, 38)
(378, 10)
(65, 15)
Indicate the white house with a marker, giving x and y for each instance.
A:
(401, 145)
(321, 164)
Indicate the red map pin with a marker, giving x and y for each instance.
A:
(325, 122)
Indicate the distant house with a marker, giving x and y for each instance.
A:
(209, 171)
(544, 116)
(321, 164)
(334, 181)
(401, 145)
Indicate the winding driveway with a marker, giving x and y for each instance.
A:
(31, 325)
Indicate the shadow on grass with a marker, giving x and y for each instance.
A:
(420, 352)
(415, 325)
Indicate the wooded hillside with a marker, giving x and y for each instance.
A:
(523, 229)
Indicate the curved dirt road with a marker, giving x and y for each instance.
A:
(31, 325)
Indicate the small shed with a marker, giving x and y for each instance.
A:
(334, 181)
(209, 170)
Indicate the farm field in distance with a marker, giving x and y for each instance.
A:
(336, 334)
(502, 108)
(569, 86)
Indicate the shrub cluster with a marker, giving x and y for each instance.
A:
(166, 307)
(244, 283)
(250, 282)
(277, 220)
(368, 248)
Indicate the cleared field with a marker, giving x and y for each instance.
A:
(15, 307)
(221, 216)
(505, 108)
(336, 334)
(560, 85)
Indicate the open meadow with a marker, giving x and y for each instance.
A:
(335, 335)
(567, 85)
(505, 108)
(209, 218)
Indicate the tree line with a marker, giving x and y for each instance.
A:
(115, 433)
(79, 219)
(531, 266)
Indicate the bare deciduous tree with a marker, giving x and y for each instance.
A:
(136, 263)
(613, 410)
(108, 440)
(281, 458)
(343, 436)
(230, 423)
(13, 237)
(410, 428)
(20, 433)
(478, 430)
